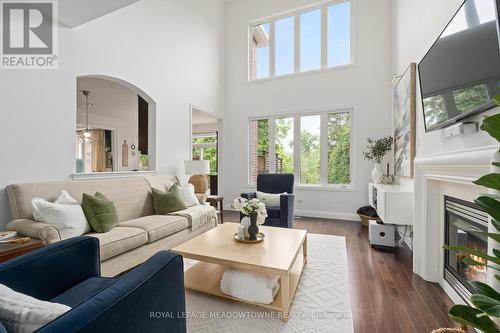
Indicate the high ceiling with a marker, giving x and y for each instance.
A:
(73, 13)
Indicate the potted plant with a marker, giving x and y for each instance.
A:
(255, 210)
(377, 149)
(486, 301)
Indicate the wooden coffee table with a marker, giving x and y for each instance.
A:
(283, 253)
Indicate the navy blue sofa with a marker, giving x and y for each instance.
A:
(149, 298)
(281, 216)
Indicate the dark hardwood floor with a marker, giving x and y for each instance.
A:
(386, 296)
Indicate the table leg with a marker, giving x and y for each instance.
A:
(304, 249)
(221, 211)
(285, 295)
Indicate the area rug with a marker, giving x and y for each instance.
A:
(321, 303)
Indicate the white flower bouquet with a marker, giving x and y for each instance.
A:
(250, 206)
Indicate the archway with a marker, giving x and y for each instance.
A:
(120, 119)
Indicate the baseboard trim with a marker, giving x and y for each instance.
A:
(327, 215)
(320, 214)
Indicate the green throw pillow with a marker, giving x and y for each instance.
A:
(100, 212)
(168, 202)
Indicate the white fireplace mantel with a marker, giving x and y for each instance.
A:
(453, 170)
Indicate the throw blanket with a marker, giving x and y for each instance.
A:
(198, 215)
(249, 286)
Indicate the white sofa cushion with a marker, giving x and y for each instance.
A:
(188, 195)
(20, 313)
(66, 214)
(119, 240)
(270, 199)
(158, 226)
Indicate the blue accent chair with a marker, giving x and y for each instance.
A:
(281, 216)
(149, 298)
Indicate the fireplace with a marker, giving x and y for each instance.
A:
(465, 224)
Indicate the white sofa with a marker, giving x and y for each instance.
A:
(139, 234)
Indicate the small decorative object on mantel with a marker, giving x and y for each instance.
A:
(387, 179)
(256, 212)
(377, 149)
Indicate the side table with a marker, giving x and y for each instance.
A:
(217, 202)
(12, 250)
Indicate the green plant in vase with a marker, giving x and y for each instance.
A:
(377, 149)
(486, 301)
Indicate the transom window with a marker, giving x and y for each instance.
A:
(308, 39)
(315, 147)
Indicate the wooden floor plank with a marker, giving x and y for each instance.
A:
(385, 294)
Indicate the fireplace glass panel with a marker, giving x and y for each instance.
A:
(465, 226)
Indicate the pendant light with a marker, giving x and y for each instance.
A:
(86, 135)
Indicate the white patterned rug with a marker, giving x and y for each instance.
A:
(321, 304)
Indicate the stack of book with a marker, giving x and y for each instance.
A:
(4, 235)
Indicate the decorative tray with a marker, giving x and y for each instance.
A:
(260, 238)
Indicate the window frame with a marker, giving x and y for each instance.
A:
(323, 113)
(295, 13)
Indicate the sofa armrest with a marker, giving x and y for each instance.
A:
(51, 270)
(249, 195)
(286, 209)
(150, 298)
(48, 233)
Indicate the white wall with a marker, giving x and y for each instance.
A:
(205, 128)
(366, 87)
(113, 107)
(416, 25)
(172, 50)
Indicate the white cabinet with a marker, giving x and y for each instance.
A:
(393, 203)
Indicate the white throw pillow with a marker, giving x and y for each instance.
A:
(270, 199)
(20, 313)
(65, 213)
(188, 196)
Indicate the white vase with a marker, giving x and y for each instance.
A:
(377, 173)
(246, 223)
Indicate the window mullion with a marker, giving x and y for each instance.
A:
(272, 49)
(296, 148)
(272, 145)
(324, 150)
(324, 36)
(296, 43)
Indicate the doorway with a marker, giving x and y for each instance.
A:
(206, 145)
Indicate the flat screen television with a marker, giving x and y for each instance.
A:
(460, 73)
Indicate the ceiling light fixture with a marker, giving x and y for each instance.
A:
(86, 135)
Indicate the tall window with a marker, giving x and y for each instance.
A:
(339, 34)
(284, 145)
(311, 38)
(339, 148)
(310, 130)
(284, 36)
(314, 147)
(259, 148)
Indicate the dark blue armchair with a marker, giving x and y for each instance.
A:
(150, 298)
(281, 216)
